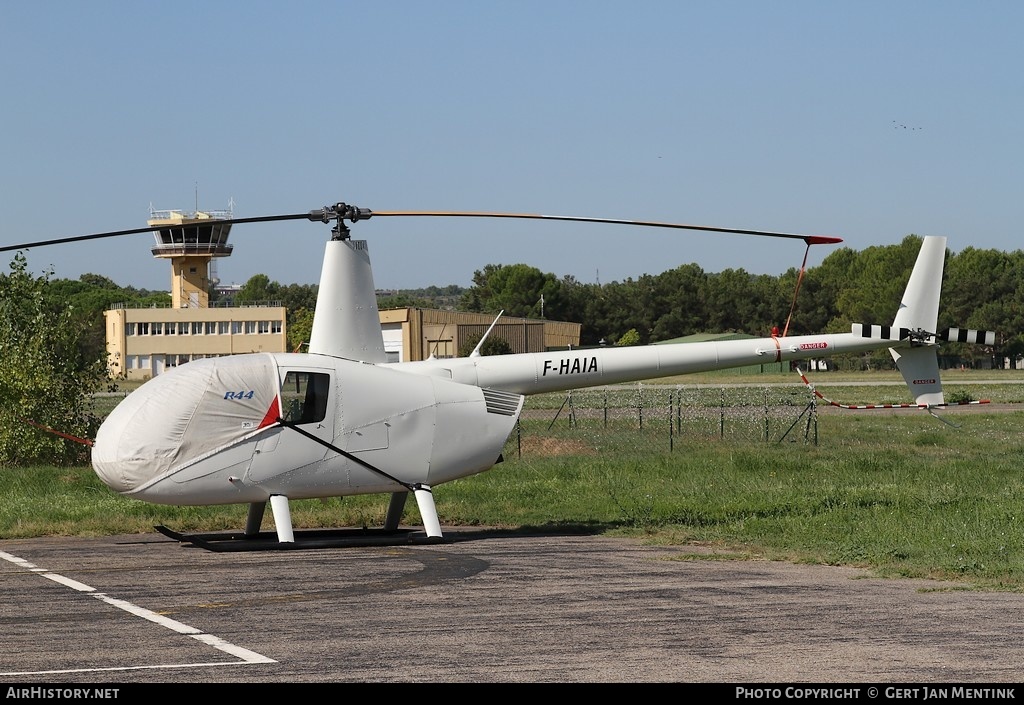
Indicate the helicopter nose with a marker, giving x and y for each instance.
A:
(141, 438)
(183, 415)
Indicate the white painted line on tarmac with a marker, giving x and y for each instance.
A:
(246, 656)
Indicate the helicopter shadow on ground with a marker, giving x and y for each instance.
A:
(310, 539)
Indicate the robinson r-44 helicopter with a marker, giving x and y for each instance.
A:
(339, 420)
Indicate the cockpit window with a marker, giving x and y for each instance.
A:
(304, 396)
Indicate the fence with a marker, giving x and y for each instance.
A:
(668, 416)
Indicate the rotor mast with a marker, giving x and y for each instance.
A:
(346, 321)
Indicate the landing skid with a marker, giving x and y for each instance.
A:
(304, 540)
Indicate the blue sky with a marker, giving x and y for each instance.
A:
(864, 120)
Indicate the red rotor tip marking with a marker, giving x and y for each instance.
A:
(822, 240)
(76, 439)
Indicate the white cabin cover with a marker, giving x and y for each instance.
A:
(184, 415)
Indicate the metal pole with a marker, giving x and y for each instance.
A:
(640, 402)
(721, 416)
(670, 421)
(767, 434)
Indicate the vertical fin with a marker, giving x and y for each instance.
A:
(919, 311)
(919, 308)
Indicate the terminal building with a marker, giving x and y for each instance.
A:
(144, 342)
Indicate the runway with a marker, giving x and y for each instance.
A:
(481, 607)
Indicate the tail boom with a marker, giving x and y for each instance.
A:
(536, 373)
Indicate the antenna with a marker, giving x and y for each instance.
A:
(476, 350)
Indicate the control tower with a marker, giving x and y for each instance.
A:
(191, 241)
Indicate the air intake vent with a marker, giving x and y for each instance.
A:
(504, 403)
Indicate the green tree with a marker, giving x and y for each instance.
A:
(258, 289)
(680, 302)
(630, 337)
(491, 346)
(873, 289)
(733, 304)
(46, 376)
(402, 300)
(614, 309)
(984, 290)
(296, 297)
(876, 281)
(817, 306)
(517, 289)
(300, 327)
(87, 299)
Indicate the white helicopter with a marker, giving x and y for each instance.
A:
(339, 420)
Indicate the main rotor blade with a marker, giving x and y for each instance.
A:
(342, 211)
(809, 239)
(134, 231)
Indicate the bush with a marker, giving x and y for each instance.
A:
(46, 375)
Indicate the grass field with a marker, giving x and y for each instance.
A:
(897, 491)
